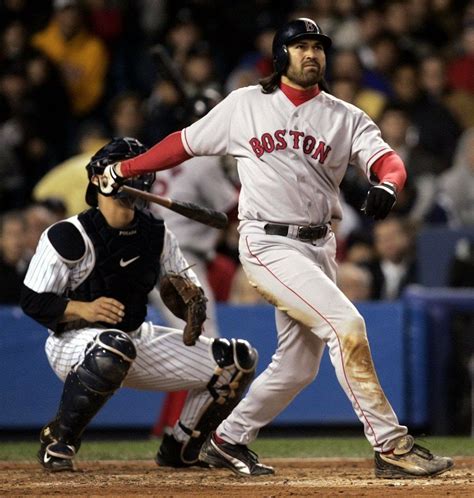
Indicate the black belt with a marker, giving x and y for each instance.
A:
(301, 232)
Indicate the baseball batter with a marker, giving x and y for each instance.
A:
(293, 142)
(88, 282)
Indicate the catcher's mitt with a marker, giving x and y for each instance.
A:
(187, 301)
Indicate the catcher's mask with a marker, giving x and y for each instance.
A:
(290, 32)
(117, 150)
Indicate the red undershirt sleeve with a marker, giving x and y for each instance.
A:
(390, 168)
(164, 155)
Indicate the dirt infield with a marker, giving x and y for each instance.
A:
(295, 477)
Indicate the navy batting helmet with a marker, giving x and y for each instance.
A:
(117, 150)
(289, 33)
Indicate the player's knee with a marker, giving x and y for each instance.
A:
(353, 326)
(107, 361)
(235, 352)
(300, 377)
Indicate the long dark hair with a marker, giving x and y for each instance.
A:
(272, 82)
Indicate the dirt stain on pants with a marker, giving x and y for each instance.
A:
(360, 368)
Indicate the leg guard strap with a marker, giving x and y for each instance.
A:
(91, 383)
(240, 358)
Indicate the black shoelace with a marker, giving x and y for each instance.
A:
(252, 456)
(423, 452)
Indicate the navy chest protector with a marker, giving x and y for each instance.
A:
(127, 264)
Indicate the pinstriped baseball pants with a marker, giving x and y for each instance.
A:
(163, 363)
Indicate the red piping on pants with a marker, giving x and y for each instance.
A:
(332, 328)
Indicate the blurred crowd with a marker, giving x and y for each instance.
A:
(75, 73)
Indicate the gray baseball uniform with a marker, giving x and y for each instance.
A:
(291, 159)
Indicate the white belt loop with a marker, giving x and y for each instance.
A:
(293, 231)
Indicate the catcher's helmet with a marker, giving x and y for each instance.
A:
(289, 33)
(117, 150)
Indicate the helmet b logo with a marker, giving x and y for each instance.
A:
(310, 26)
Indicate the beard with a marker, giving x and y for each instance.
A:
(305, 77)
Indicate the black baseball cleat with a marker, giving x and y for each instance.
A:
(57, 457)
(409, 460)
(236, 457)
(171, 454)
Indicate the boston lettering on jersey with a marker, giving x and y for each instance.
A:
(281, 139)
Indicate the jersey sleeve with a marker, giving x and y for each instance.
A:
(367, 144)
(48, 271)
(44, 286)
(209, 136)
(172, 259)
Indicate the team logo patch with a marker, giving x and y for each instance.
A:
(310, 26)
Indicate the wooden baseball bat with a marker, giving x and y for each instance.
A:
(210, 217)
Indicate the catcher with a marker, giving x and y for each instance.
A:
(88, 283)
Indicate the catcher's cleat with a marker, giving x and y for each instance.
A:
(409, 460)
(236, 457)
(57, 457)
(170, 454)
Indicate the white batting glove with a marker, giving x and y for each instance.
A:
(110, 181)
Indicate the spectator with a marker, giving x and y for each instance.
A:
(152, 16)
(433, 76)
(355, 281)
(399, 24)
(19, 130)
(82, 57)
(461, 269)
(162, 109)
(12, 256)
(422, 166)
(386, 55)
(461, 69)
(434, 81)
(359, 248)
(182, 36)
(106, 20)
(52, 106)
(347, 66)
(15, 49)
(38, 217)
(67, 181)
(434, 24)
(241, 77)
(394, 266)
(127, 117)
(457, 183)
(371, 25)
(259, 61)
(346, 33)
(11, 177)
(30, 14)
(220, 273)
(426, 114)
(199, 70)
